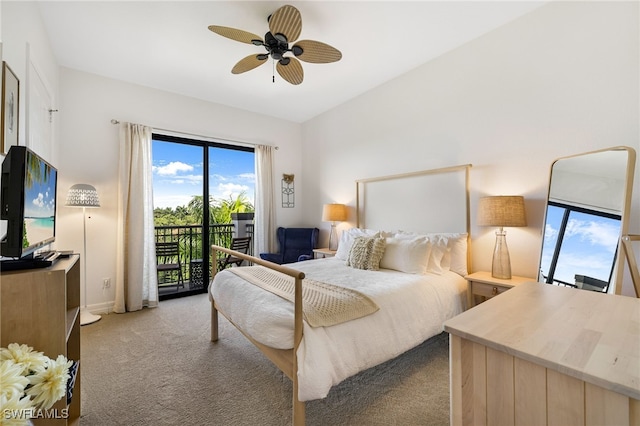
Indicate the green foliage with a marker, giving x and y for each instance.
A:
(25, 241)
(192, 214)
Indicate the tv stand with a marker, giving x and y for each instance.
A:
(20, 264)
(41, 308)
(41, 260)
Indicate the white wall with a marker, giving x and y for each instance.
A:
(89, 154)
(558, 81)
(25, 41)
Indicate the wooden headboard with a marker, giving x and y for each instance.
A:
(434, 200)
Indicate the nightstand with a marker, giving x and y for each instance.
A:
(482, 284)
(323, 252)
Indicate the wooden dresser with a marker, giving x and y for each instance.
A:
(546, 355)
(41, 308)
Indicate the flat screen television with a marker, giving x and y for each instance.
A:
(28, 203)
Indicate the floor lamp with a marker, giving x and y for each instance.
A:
(83, 195)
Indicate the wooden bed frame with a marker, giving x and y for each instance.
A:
(286, 359)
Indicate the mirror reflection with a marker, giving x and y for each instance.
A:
(584, 219)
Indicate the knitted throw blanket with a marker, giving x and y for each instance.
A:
(323, 304)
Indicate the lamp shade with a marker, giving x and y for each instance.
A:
(502, 210)
(82, 195)
(334, 213)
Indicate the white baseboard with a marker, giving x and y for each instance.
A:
(101, 308)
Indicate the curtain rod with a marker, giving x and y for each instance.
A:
(114, 121)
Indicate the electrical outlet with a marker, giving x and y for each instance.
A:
(106, 283)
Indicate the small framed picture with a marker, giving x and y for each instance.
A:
(10, 108)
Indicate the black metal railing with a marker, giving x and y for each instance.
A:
(189, 238)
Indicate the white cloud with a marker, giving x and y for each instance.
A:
(596, 233)
(231, 190)
(172, 169)
(39, 200)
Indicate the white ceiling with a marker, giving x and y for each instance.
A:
(166, 45)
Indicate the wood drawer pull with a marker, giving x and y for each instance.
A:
(494, 291)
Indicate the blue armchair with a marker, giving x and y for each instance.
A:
(296, 244)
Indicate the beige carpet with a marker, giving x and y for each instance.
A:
(158, 367)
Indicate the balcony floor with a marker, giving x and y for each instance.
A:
(170, 290)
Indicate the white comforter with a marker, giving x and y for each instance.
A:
(412, 309)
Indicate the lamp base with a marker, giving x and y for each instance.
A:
(87, 317)
(333, 238)
(501, 266)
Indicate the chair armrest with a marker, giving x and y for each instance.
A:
(272, 257)
(304, 257)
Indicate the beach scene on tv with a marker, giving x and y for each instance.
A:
(39, 205)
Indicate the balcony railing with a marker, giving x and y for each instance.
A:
(189, 238)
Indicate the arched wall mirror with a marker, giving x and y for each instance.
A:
(587, 211)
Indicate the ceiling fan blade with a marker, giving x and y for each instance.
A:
(236, 34)
(292, 72)
(316, 52)
(286, 21)
(248, 63)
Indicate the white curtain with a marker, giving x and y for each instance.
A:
(136, 279)
(265, 215)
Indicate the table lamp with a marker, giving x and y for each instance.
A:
(501, 211)
(334, 213)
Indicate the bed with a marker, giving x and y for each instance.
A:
(401, 283)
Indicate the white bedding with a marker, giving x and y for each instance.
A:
(413, 308)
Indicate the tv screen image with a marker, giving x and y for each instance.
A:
(28, 202)
(39, 202)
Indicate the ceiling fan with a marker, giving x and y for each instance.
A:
(285, 25)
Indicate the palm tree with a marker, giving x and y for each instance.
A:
(240, 204)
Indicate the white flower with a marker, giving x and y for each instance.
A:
(49, 384)
(12, 380)
(23, 355)
(15, 410)
(29, 381)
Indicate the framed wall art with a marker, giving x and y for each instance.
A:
(10, 108)
(288, 191)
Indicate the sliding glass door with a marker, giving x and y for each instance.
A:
(197, 186)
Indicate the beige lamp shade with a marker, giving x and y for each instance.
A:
(334, 213)
(502, 210)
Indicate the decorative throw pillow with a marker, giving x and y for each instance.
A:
(347, 238)
(366, 253)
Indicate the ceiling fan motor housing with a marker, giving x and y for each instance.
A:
(276, 45)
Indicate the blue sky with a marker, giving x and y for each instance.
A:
(178, 171)
(588, 247)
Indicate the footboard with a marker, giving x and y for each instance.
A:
(285, 360)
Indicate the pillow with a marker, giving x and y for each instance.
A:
(346, 240)
(456, 258)
(438, 259)
(448, 251)
(410, 255)
(366, 253)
